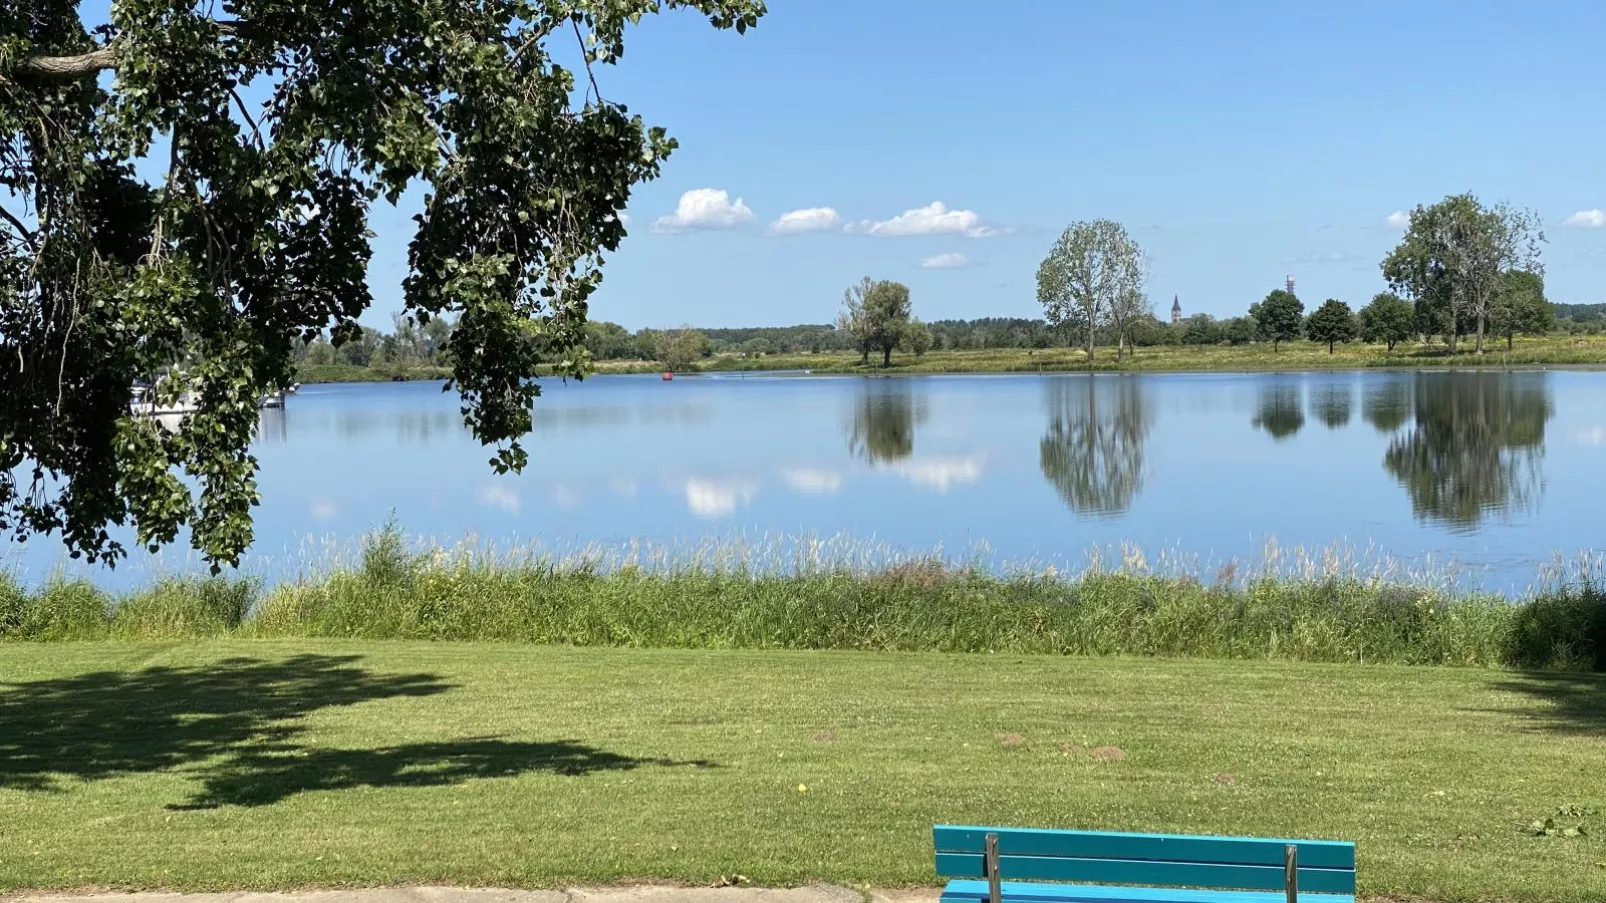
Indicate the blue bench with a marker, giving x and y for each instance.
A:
(1014, 865)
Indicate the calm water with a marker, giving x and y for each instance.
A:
(1495, 472)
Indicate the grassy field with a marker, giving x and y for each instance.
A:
(257, 764)
(1528, 352)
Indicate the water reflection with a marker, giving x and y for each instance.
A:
(1278, 411)
(1092, 452)
(885, 415)
(1475, 448)
(1386, 405)
(409, 426)
(1331, 403)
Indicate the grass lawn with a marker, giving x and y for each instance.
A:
(255, 764)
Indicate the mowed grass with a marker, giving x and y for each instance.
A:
(259, 764)
(1556, 350)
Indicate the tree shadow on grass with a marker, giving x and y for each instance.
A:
(237, 722)
(1563, 703)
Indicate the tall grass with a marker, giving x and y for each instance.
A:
(841, 595)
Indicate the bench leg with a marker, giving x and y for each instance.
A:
(995, 893)
(1291, 872)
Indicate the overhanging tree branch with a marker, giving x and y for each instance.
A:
(66, 68)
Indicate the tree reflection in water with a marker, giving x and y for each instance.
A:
(885, 415)
(1475, 448)
(1279, 412)
(1092, 452)
(1331, 403)
(1387, 405)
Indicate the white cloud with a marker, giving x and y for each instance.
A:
(1398, 221)
(811, 481)
(494, 496)
(811, 219)
(940, 474)
(623, 486)
(718, 498)
(324, 510)
(704, 208)
(949, 261)
(1594, 437)
(933, 219)
(623, 217)
(1586, 219)
(567, 497)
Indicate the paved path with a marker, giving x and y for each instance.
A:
(817, 893)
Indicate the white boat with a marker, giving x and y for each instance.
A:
(273, 400)
(145, 404)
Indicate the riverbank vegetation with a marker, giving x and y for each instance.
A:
(807, 595)
(1548, 351)
(231, 765)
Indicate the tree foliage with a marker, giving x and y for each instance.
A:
(1451, 259)
(876, 314)
(1093, 277)
(1520, 306)
(1331, 323)
(916, 337)
(1278, 318)
(160, 225)
(1388, 319)
(676, 349)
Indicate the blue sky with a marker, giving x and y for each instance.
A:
(1238, 141)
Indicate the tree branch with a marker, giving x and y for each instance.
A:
(25, 232)
(66, 68)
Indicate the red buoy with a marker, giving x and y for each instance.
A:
(668, 375)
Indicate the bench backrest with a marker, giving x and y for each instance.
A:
(1153, 860)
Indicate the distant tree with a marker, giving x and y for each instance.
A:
(1092, 267)
(1452, 256)
(1520, 306)
(917, 337)
(1147, 330)
(608, 341)
(1171, 334)
(320, 352)
(1202, 329)
(678, 349)
(1331, 323)
(854, 321)
(1388, 319)
(1239, 331)
(1278, 318)
(1127, 312)
(885, 315)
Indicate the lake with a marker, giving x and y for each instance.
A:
(1491, 472)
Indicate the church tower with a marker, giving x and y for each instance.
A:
(1176, 310)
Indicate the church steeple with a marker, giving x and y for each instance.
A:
(1176, 310)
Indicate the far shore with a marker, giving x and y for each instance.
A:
(1549, 353)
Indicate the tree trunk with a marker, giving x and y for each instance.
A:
(886, 356)
(1120, 344)
(1480, 332)
(1090, 346)
(1329, 347)
(1509, 340)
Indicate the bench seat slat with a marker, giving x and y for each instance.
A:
(1159, 847)
(968, 891)
(1145, 871)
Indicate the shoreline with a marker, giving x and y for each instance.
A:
(1582, 355)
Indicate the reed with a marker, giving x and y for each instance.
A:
(789, 593)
